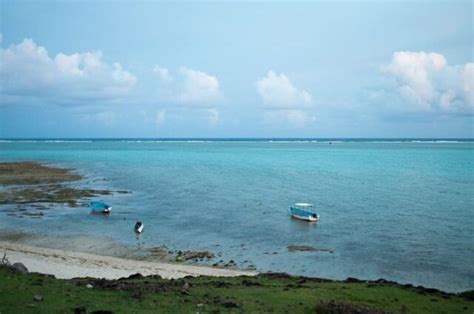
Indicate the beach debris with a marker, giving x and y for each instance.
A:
(38, 297)
(19, 267)
(4, 260)
(133, 276)
(139, 227)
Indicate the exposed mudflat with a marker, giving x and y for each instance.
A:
(32, 188)
(28, 172)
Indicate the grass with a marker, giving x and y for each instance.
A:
(277, 294)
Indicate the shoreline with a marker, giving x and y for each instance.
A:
(65, 264)
(81, 256)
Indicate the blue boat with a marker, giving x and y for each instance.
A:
(304, 211)
(100, 207)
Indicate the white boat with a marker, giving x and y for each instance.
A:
(304, 211)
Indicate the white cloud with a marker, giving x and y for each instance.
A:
(277, 91)
(199, 88)
(163, 74)
(428, 83)
(28, 72)
(189, 89)
(283, 102)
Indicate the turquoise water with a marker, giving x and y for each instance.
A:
(400, 210)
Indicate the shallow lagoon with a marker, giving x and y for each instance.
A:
(400, 210)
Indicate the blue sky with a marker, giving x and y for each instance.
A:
(314, 69)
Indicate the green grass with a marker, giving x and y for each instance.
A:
(210, 294)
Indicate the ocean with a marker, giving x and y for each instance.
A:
(399, 209)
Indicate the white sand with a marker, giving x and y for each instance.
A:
(66, 264)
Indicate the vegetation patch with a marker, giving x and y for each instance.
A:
(278, 293)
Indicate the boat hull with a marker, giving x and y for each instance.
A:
(102, 211)
(100, 208)
(301, 214)
(305, 218)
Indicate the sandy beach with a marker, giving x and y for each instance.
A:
(65, 264)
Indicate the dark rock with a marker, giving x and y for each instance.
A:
(134, 276)
(467, 295)
(431, 290)
(352, 280)
(274, 275)
(19, 267)
(194, 255)
(300, 248)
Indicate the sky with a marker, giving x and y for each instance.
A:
(236, 69)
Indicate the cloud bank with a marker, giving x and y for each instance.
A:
(198, 88)
(190, 88)
(28, 72)
(283, 101)
(277, 92)
(427, 83)
(162, 74)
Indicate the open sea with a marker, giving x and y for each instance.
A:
(399, 209)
